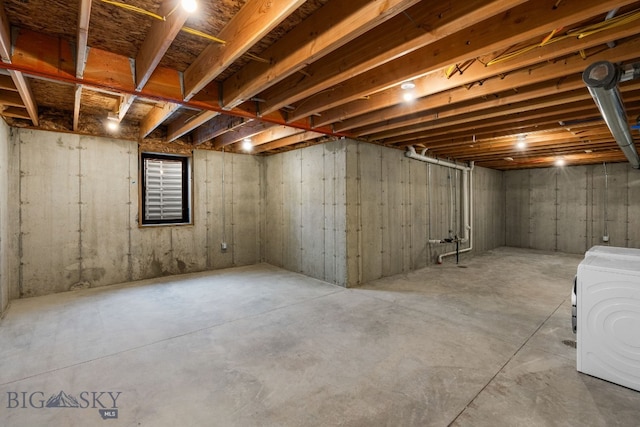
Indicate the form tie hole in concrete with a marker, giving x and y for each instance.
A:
(462, 266)
(569, 343)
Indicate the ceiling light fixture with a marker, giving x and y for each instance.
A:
(560, 162)
(189, 5)
(247, 145)
(408, 94)
(522, 142)
(112, 124)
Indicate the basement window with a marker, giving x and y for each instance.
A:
(166, 189)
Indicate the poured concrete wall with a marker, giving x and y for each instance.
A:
(344, 212)
(8, 217)
(490, 215)
(349, 212)
(79, 215)
(4, 214)
(563, 209)
(395, 205)
(304, 211)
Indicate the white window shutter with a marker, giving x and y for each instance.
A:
(163, 197)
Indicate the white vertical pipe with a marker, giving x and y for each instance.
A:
(467, 178)
(468, 210)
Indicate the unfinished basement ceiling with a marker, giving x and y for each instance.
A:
(495, 82)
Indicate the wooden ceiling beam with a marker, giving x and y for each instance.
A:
(124, 104)
(24, 89)
(390, 40)
(549, 152)
(246, 28)
(11, 98)
(186, 124)
(502, 153)
(156, 117)
(522, 95)
(6, 83)
(158, 39)
(510, 149)
(468, 114)
(19, 80)
(285, 142)
(76, 107)
(490, 128)
(16, 112)
(549, 161)
(503, 128)
(437, 88)
(461, 124)
(216, 127)
(84, 15)
(484, 134)
(273, 134)
(248, 130)
(554, 137)
(332, 26)
(155, 45)
(518, 25)
(46, 57)
(390, 118)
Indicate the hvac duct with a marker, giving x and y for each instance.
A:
(602, 80)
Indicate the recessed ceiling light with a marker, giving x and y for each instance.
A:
(112, 124)
(408, 96)
(407, 93)
(247, 145)
(189, 5)
(408, 86)
(521, 145)
(560, 162)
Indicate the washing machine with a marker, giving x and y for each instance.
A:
(607, 315)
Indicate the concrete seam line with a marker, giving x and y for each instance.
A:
(507, 362)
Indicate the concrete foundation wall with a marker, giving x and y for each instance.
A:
(489, 216)
(344, 212)
(79, 215)
(395, 205)
(304, 211)
(563, 209)
(8, 217)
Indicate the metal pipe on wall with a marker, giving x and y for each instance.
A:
(411, 153)
(467, 206)
(467, 199)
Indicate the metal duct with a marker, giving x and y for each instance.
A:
(602, 80)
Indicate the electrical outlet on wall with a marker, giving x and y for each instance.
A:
(223, 246)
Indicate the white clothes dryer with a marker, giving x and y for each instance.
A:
(607, 301)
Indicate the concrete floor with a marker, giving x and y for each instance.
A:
(485, 345)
